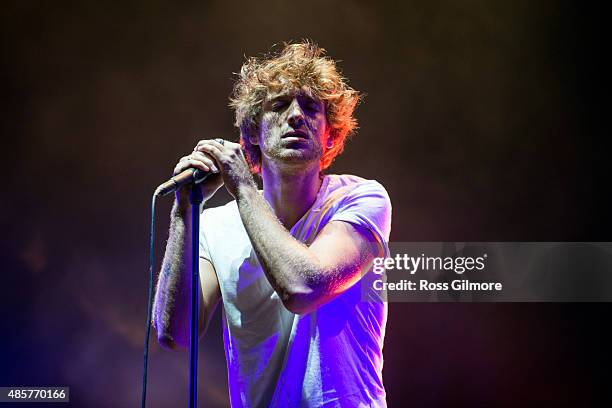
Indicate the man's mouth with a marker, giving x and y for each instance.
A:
(298, 134)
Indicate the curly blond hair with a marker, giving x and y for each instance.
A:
(297, 66)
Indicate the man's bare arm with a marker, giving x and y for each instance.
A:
(172, 306)
(305, 277)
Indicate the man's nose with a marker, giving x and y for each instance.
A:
(296, 116)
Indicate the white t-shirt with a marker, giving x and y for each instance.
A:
(331, 357)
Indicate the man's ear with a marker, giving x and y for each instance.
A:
(252, 136)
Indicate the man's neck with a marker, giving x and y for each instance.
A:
(290, 194)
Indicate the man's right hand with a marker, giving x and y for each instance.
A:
(202, 161)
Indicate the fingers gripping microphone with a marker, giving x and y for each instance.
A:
(188, 176)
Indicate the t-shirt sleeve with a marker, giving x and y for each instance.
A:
(204, 251)
(367, 206)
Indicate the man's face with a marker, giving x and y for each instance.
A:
(293, 128)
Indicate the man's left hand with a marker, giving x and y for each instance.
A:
(230, 160)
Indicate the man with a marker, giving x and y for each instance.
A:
(302, 323)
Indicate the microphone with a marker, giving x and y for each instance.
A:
(188, 176)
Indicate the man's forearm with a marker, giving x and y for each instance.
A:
(171, 307)
(292, 269)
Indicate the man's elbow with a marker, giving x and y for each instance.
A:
(166, 342)
(299, 303)
(170, 342)
(306, 297)
(294, 306)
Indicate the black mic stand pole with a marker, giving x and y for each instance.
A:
(196, 198)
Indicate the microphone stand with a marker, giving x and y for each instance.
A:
(196, 198)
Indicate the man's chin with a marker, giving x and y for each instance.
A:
(296, 158)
